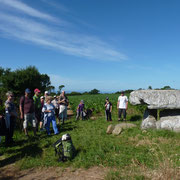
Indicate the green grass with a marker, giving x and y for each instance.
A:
(125, 155)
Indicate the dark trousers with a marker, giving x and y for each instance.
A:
(108, 115)
(10, 131)
(57, 112)
(38, 117)
(120, 111)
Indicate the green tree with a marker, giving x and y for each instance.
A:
(94, 91)
(60, 88)
(150, 87)
(20, 79)
(166, 88)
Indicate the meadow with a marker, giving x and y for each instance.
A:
(134, 154)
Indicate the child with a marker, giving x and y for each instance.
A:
(108, 109)
(49, 116)
(80, 110)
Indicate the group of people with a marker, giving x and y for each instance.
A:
(42, 111)
(39, 111)
(122, 105)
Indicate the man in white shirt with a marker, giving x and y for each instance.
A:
(122, 105)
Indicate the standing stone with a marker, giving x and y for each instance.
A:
(149, 119)
(149, 122)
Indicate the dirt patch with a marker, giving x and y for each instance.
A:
(52, 173)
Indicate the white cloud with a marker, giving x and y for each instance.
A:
(21, 7)
(61, 39)
(56, 5)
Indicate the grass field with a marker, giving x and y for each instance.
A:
(134, 154)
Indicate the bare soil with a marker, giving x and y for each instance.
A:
(52, 173)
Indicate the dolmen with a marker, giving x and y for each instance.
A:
(163, 108)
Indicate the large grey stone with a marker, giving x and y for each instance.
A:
(125, 125)
(117, 130)
(149, 119)
(169, 122)
(119, 127)
(156, 99)
(149, 122)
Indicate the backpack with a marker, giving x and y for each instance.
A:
(64, 148)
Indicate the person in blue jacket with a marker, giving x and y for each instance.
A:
(49, 116)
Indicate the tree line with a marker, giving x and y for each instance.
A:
(17, 81)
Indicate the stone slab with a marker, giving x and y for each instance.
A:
(156, 99)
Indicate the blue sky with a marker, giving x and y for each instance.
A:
(110, 45)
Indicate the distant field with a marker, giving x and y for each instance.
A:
(96, 102)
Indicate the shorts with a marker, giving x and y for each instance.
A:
(63, 112)
(30, 117)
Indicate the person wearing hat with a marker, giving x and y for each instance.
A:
(37, 105)
(80, 110)
(122, 106)
(108, 109)
(27, 111)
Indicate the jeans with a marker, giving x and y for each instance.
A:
(80, 114)
(120, 111)
(52, 120)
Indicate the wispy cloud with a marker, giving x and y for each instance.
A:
(23, 8)
(31, 29)
(56, 5)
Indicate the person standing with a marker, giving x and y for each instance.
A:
(49, 116)
(10, 117)
(108, 109)
(56, 105)
(27, 111)
(122, 106)
(37, 105)
(80, 110)
(63, 103)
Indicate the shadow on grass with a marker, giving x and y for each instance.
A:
(31, 150)
(69, 126)
(135, 118)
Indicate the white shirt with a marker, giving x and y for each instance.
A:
(122, 102)
(55, 103)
